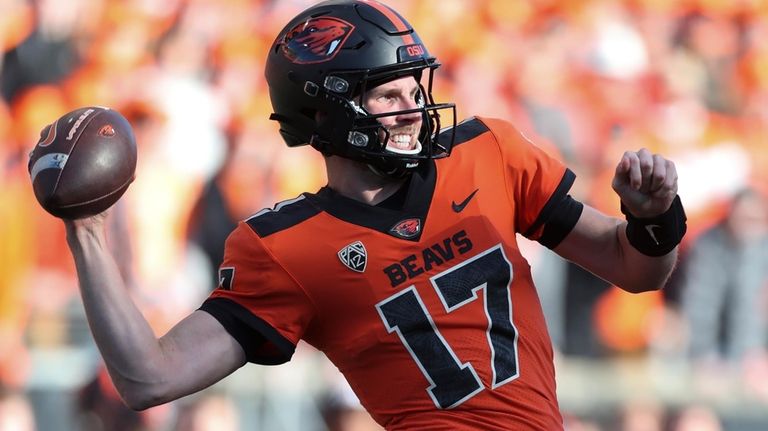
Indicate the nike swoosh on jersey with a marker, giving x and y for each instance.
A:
(460, 206)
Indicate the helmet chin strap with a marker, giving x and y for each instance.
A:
(394, 174)
(397, 171)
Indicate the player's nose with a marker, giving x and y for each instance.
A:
(411, 114)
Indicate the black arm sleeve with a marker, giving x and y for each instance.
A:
(564, 215)
(260, 341)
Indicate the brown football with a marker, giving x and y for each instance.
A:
(83, 163)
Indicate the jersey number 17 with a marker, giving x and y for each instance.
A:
(451, 381)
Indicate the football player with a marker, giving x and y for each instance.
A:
(404, 269)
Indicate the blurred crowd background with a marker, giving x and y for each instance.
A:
(587, 79)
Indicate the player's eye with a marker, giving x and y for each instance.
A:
(386, 98)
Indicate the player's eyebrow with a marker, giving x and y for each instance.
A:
(378, 92)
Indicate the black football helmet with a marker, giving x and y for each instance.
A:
(319, 68)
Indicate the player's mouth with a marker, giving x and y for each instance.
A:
(403, 143)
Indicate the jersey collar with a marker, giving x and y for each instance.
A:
(420, 190)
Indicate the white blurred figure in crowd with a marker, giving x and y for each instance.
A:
(15, 413)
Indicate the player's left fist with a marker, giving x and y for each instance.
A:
(645, 182)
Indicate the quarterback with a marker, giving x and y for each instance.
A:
(404, 269)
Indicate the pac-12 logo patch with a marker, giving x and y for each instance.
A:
(354, 256)
(316, 40)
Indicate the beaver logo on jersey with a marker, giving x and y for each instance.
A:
(316, 40)
(407, 228)
(354, 256)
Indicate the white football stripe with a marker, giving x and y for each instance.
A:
(48, 161)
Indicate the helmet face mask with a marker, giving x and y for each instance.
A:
(325, 61)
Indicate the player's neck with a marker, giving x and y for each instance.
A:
(356, 181)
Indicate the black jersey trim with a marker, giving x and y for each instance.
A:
(260, 341)
(420, 189)
(561, 223)
(283, 216)
(553, 204)
(465, 131)
(417, 200)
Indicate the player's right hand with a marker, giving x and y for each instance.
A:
(645, 182)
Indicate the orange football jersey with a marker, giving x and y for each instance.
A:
(428, 310)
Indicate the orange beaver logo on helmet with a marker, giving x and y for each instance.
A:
(316, 40)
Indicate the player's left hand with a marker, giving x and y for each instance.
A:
(645, 182)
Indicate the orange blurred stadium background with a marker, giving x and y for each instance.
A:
(588, 79)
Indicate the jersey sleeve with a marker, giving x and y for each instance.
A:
(257, 301)
(537, 182)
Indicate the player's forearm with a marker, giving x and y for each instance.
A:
(615, 260)
(127, 343)
(640, 272)
(599, 244)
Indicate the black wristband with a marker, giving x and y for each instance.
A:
(657, 236)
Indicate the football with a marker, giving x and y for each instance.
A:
(83, 162)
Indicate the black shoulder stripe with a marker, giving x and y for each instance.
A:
(465, 131)
(557, 197)
(282, 216)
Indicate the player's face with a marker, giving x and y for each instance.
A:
(397, 95)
